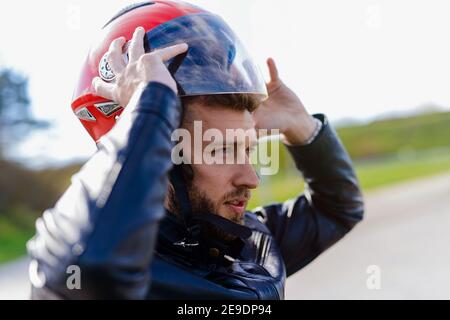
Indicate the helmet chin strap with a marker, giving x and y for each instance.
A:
(181, 192)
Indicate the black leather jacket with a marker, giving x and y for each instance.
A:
(112, 224)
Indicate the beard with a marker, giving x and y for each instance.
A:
(202, 204)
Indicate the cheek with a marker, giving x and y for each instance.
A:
(214, 180)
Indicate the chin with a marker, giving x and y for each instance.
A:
(232, 216)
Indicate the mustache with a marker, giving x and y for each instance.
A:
(238, 193)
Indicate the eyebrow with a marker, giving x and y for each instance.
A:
(222, 142)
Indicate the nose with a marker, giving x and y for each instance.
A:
(246, 177)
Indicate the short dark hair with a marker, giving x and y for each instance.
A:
(235, 101)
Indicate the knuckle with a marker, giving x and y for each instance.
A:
(132, 44)
(142, 59)
(134, 48)
(147, 58)
(156, 55)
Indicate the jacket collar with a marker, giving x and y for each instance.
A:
(194, 246)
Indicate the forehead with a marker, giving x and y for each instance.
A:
(218, 117)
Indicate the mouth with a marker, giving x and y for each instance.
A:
(238, 205)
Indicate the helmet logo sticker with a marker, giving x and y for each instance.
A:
(107, 108)
(84, 114)
(104, 69)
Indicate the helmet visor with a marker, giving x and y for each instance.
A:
(216, 62)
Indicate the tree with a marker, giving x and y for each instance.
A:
(16, 119)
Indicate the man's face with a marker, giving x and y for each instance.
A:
(223, 189)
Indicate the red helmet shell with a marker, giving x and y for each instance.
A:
(97, 114)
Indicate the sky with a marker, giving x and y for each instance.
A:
(349, 59)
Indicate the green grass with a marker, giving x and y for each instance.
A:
(385, 137)
(13, 237)
(390, 137)
(381, 173)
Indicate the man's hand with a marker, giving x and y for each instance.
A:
(284, 111)
(141, 69)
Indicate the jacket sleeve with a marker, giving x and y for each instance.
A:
(105, 224)
(331, 206)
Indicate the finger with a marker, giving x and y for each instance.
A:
(273, 70)
(172, 51)
(136, 48)
(115, 58)
(103, 89)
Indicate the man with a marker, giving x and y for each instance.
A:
(135, 225)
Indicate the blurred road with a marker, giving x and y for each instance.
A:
(405, 233)
(14, 280)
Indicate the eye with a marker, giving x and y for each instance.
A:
(250, 150)
(227, 149)
(221, 150)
